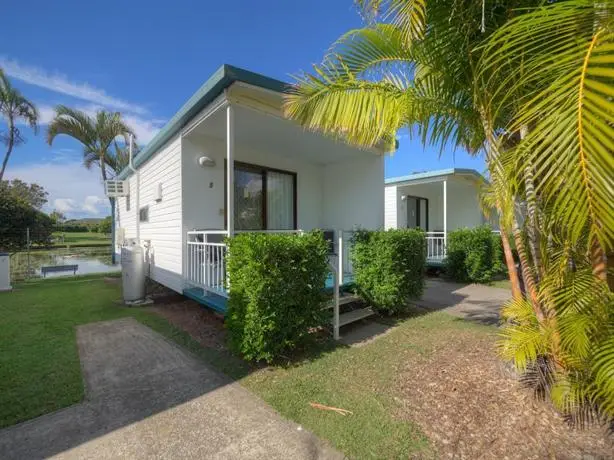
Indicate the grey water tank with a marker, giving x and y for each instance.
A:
(133, 273)
(5, 271)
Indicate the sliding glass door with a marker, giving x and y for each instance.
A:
(264, 198)
(417, 212)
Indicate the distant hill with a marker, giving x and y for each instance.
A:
(87, 222)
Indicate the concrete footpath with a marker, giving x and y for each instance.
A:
(148, 398)
(473, 302)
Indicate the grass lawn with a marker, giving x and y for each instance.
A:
(364, 380)
(432, 374)
(502, 284)
(40, 370)
(39, 361)
(81, 239)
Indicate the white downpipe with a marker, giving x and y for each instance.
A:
(230, 146)
(445, 215)
(137, 192)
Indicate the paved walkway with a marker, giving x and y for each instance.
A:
(148, 398)
(474, 302)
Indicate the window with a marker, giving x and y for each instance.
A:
(144, 214)
(128, 202)
(264, 198)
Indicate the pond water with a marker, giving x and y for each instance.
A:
(88, 260)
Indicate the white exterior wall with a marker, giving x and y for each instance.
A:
(164, 228)
(390, 207)
(463, 204)
(464, 208)
(204, 202)
(353, 193)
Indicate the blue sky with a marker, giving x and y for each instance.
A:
(146, 61)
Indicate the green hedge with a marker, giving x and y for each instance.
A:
(276, 292)
(389, 267)
(473, 255)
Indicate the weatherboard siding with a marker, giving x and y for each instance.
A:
(163, 230)
(390, 207)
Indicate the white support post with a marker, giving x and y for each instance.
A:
(230, 169)
(336, 293)
(445, 216)
(340, 258)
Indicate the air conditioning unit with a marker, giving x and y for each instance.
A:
(116, 188)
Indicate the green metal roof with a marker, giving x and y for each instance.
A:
(225, 76)
(434, 174)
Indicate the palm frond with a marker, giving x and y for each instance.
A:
(15, 106)
(559, 59)
(408, 15)
(364, 112)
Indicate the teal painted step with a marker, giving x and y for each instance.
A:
(348, 283)
(435, 262)
(213, 301)
(219, 302)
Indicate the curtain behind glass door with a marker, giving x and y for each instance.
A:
(280, 200)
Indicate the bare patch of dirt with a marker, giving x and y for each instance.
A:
(205, 326)
(471, 406)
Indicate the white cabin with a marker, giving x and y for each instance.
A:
(437, 202)
(230, 152)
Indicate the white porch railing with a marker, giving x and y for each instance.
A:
(435, 245)
(206, 260)
(346, 242)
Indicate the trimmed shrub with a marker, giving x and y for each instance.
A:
(276, 292)
(389, 267)
(470, 255)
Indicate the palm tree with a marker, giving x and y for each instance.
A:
(98, 134)
(554, 65)
(413, 65)
(14, 107)
(533, 90)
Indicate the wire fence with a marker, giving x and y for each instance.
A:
(32, 254)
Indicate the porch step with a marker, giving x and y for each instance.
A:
(208, 299)
(355, 315)
(343, 300)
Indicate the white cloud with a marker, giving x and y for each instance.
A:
(144, 130)
(61, 84)
(65, 205)
(74, 190)
(93, 203)
(45, 114)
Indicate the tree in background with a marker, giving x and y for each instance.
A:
(14, 108)
(97, 134)
(58, 217)
(33, 193)
(105, 225)
(17, 218)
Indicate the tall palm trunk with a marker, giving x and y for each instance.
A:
(491, 155)
(103, 171)
(10, 145)
(527, 273)
(533, 224)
